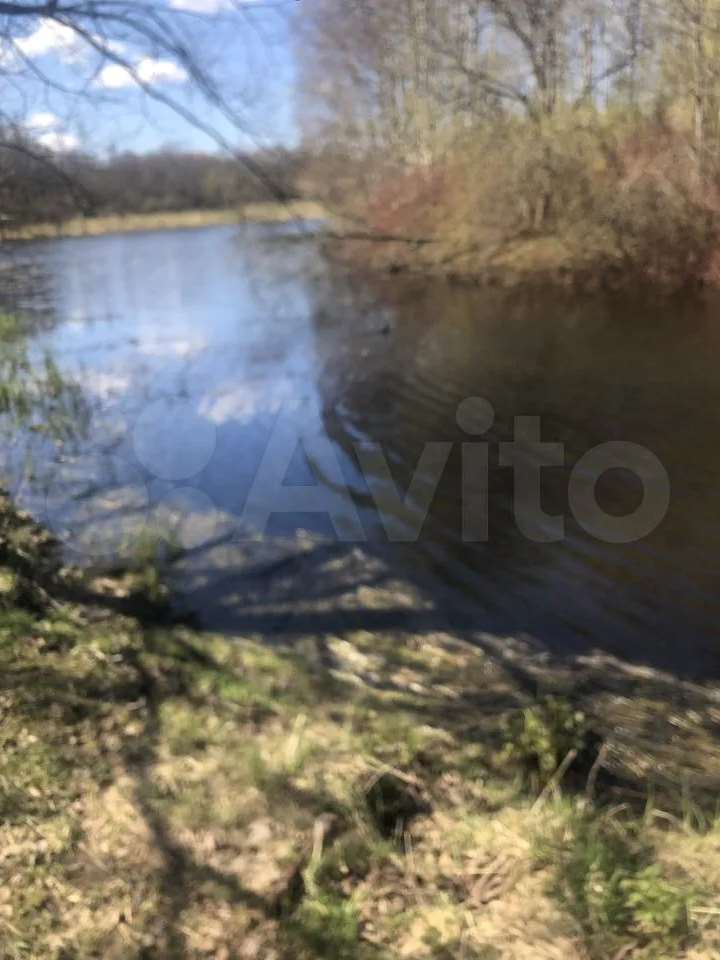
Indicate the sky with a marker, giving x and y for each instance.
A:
(249, 48)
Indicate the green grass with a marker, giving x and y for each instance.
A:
(538, 738)
(326, 927)
(606, 874)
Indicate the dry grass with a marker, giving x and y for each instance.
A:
(172, 220)
(282, 212)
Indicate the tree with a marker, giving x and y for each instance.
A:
(486, 120)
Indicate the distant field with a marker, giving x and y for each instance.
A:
(178, 220)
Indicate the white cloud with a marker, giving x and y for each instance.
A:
(243, 403)
(202, 6)
(114, 76)
(54, 38)
(47, 129)
(58, 141)
(160, 71)
(50, 37)
(42, 120)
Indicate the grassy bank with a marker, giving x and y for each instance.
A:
(165, 793)
(282, 213)
(525, 261)
(173, 220)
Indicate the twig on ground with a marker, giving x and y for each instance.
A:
(554, 781)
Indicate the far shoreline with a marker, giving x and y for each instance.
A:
(270, 212)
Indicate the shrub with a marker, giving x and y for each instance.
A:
(539, 738)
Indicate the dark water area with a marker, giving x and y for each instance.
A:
(223, 368)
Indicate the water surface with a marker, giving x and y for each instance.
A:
(194, 349)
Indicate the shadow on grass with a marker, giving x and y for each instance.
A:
(411, 667)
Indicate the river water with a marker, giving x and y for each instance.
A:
(251, 404)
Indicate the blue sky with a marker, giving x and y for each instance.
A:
(249, 50)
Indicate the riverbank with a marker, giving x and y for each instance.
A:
(171, 220)
(524, 262)
(529, 262)
(355, 795)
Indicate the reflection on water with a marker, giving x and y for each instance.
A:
(196, 348)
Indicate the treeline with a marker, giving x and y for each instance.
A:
(37, 186)
(581, 133)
